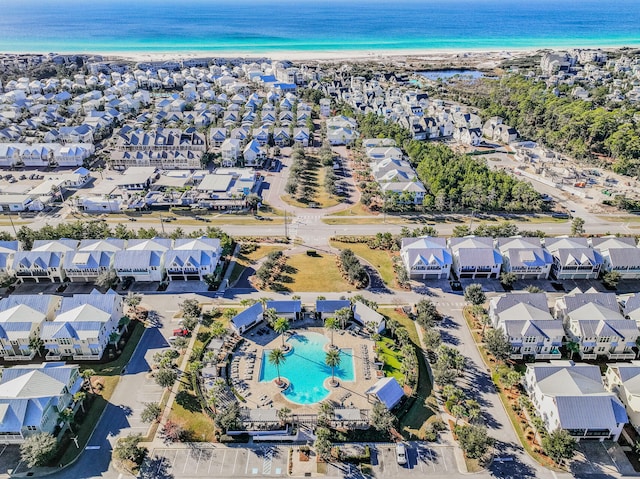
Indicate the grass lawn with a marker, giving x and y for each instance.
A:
(187, 411)
(313, 179)
(357, 210)
(245, 260)
(415, 414)
(380, 259)
(307, 278)
(372, 220)
(114, 368)
(90, 421)
(391, 357)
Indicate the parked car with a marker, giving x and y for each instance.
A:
(401, 454)
(180, 332)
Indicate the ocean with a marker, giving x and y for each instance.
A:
(263, 26)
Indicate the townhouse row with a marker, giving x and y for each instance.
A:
(79, 327)
(528, 258)
(153, 259)
(393, 173)
(591, 325)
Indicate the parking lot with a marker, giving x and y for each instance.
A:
(209, 461)
(422, 459)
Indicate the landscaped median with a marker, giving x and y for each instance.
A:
(506, 377)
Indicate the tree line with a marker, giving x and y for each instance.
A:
(582, 129)
(81, 230)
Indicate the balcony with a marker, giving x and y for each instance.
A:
(588, 355)
(86, 357)
(542, 356)
(516, 356)
(624, 355)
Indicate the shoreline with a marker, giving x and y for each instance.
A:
(490, 56)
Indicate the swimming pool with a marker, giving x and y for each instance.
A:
(305, 368)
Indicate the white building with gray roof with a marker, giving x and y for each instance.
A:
(593, 320)
(31, 396)
(426, 257)
(475, 257)
(620, 255)
(623, 379)
(572, 397)
(525, 257)
(573, 258)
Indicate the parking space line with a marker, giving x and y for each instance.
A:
(198, 463)
(235, 461)
(444, 461)
(432, 459)
(222, 464)
(186, 461)
(246, 468)
(210, 462)
(175, 458)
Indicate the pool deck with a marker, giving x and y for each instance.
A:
(248, 357)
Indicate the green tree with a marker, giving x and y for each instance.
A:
(79, 397)
(474, 295)
(611, 279)
(66, 416)
(344, 315)
(381, 418)
(38, 449)
(577, 226)
(106, 279)
(190, 307)
(458, 411)
(284, 414)
(432, 338)
(165, 377)
(511, 379)
(331, 324)
(151, 412)
(281, 326)
(427, 313)
(270, 316)
(87, 374)
(497, 344)
(559, 445)
(277, 358)
(127, 449)
(507, 279)
(573, 347)
(322, 444)
(332, 359)
(132, 300)
(474, 440)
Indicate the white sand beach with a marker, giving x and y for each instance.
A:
(476, 58)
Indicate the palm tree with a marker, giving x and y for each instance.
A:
(573, 347)
(66, 416)
(332, 359)
(79, 398)
(283, 414)
(331, 324)
(86, 375)
(277, 357)
(281, 326)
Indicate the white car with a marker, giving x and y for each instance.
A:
(401, 454)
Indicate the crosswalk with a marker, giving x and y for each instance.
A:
(451, 304)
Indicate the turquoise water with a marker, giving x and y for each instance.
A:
(305, 368)
(262, 26)
(446, 74)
